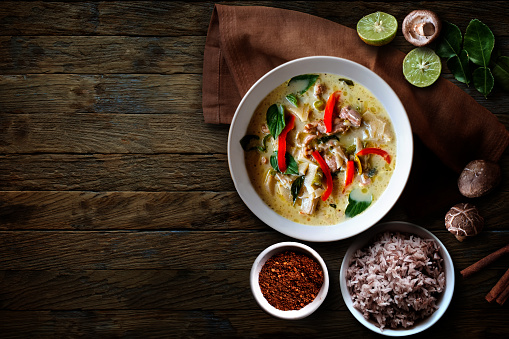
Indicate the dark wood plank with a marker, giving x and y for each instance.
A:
(137, 93)
(180, 249)
(198, 211)
(175, 18)
(125, 210)
(119, 172)
(59, 93)
(224, 323)
(155, 289)
(113, 172)
(120, 54)
(110, 133)
(101, 55)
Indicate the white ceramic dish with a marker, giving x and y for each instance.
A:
(344, 68)
(257, 293)
(363, 240)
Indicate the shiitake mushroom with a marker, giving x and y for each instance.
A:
(463, 220)
(420, 27)
(478, 178)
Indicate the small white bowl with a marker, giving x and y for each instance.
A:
(444, 300)
(255, 286)
(344, 68)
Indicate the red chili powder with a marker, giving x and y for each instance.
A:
(290, 280)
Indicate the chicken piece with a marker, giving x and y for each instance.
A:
(348, 113)
(284, 180)
(318, 127)
(365, 179)
(309, 204)
(333, 154)
(302, 112)
(318, 90)
(377, 127)
(270, 183)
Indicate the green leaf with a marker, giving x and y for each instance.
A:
(501, 72)
(292, 99)
(356, 207)
(459, 67)
(326, 138)
(276, 119)
(292, 167)
(263, 146)
(479, 42)
(247, 142)
(483, 80)
(449, 43)
(296, 186)
(310, 78)
(347, 81)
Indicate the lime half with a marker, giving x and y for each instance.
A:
(422, 67)
(377, 28)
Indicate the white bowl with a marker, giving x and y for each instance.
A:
(344, 68)
(443, 301)
(257, 292)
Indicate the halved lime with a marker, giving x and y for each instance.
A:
(422, 66)
(377, 28)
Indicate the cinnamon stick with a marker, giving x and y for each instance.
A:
(474, 268)
(501, 285)
(503, 296)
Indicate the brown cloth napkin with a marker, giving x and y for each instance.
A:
(245, 42)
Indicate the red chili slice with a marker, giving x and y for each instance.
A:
(328, 116)
(281, 143)
(378, 151)
(350, 169)
(326, 171)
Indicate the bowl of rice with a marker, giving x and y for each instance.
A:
(397, 279)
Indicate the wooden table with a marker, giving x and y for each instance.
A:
(118, 216)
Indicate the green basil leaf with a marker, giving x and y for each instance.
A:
(296, 186)
(246, 142)
(449, 42)
(356, 207)
(479, 42)
(458, 65)
(483, 80)
(347, 81)
(310, 78)
(273, 162)
(263, 146)
(292, 99)
(501, 72)
(292, 167)
(276, 119)
(326, 138)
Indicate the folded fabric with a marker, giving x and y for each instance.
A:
(245, 42)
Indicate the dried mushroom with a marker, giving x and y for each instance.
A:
(479, 178)
(463, 220)
(421, 27)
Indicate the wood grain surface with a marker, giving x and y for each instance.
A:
(118, 215)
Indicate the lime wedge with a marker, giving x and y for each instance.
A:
(377, 28)
(422, 67)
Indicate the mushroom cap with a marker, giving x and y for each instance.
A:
(463, 220)
(479, 178)
(420, 27)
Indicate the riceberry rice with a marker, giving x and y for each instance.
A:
(396, 280)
